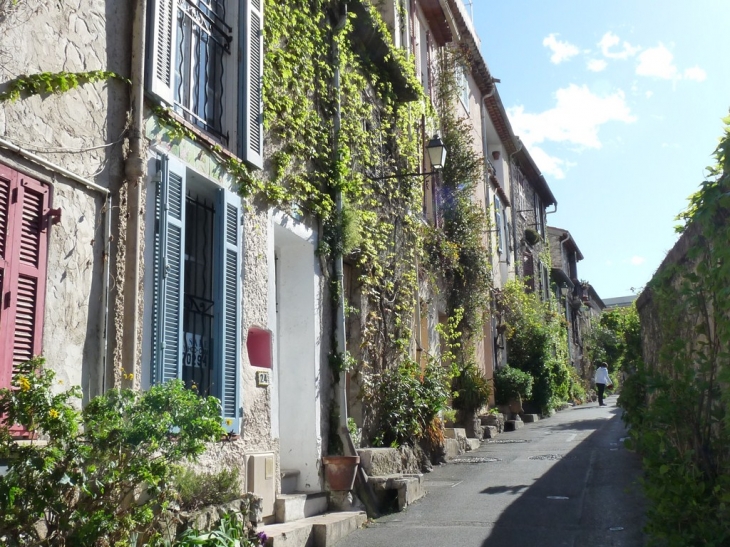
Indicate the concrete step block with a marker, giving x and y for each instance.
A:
(291, 507)
(472, 444)
(455, 433)
(335, 526)
(319, 531)
(530, 418)
(403, 489)
(513, 425)
(451, 449)
(490, 432)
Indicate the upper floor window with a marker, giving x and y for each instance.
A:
(462, 85)
(499, 224)
(205, 60)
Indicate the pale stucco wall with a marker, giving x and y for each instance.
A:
(69, 129)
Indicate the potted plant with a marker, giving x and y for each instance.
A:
(340, 472)
(531, 236)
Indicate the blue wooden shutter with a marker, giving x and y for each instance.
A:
(251, 77)
(161, 48)
(228, 306)
(169, 256)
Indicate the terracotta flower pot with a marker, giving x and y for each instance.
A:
(340, 471)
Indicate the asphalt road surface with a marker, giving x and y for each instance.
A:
(563, 481)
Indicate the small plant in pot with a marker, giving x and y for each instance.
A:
(512, 386)
(471, 393)
(531, 236)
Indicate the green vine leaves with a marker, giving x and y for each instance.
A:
(53, 82)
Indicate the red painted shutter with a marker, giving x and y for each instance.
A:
(24, 230)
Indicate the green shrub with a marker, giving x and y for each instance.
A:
(510, 383)
(102, 474)
(471, 389)
(408, 401)
(195, 490)
(232, 531)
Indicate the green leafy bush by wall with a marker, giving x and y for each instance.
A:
(103, 474)
(678, 402)
(511, 383)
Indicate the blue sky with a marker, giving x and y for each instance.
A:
(620, 104)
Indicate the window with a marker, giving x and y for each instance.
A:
(537, 204)
(205, 59)
(24, 220)
(498, 223)
(196, 308)
(462, 84)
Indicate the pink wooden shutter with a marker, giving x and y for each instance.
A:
(6, 368)
(24, 275)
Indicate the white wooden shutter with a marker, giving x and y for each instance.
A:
(228, 306)
(161, 48)
(251, 75)
(168, 271)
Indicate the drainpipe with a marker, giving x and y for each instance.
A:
(135, 172)
(340, 338)
(107, 212)
(512, 197)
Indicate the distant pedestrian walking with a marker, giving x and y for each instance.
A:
(602, 380)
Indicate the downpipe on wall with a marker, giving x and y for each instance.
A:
(135, 172)
(340, 337)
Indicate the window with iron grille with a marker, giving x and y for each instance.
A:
(196, 285)
(205, 61)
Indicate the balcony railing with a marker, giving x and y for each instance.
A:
(203, 52)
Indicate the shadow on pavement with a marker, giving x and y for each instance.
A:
(504, 489)
(580, 425)
(591, 498)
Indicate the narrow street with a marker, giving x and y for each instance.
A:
(563, 481)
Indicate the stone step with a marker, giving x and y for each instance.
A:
(289, 480)
(451, 449)
(291, 507)
(530, 418)
(455, 433)
(403, 489)
(320, 531)
(490, 432)
(513, 425)
(472, 444)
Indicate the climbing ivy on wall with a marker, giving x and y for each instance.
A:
(679, 402)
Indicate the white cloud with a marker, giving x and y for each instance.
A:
(649, 94)
(597, 65)
(549, 165)
(562, 51)
(695, 73)
(576, 118)
(658, 63)
(637, 260)
(609, 40)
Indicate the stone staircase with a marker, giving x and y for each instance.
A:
(303, 520)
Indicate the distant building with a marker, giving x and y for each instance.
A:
(619, 301)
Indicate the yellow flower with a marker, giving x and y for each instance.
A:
(24, 383)
(53, 413)
(229, 421)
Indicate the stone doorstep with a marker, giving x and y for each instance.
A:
(472, 444)
(320, 531)
(409, 487)
(291, 507)
(451, 449)
(490, 431)
(530, 418)
(513, 425)
(455, 433)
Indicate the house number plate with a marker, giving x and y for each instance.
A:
(262, 378)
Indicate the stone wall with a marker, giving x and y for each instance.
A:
(79, 130)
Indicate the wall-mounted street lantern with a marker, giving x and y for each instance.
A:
(436, 150)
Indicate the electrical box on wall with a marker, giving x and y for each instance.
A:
(260, 480)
